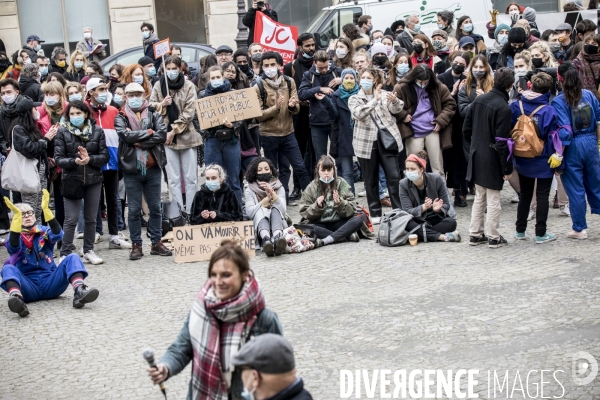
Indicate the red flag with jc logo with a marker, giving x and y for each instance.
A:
(275, 36)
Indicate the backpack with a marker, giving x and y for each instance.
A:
(392, 228)
(526, 136)
(263, 92)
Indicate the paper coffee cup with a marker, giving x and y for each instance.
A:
(413, 239)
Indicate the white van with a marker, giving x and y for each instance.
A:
(329, 22)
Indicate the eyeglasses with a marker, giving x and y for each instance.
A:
(28, 214)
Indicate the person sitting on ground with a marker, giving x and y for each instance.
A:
(227, 313)
(425, 196)
(30, 273)
(328, 204)
(266, 205)
(269, 369)
(215, 201)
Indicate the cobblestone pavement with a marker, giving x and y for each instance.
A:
(344, 307)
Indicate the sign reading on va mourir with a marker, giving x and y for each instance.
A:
(236, 105)
(199, 242)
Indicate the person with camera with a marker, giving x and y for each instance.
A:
(250, 17)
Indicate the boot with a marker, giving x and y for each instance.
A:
(280, 245)
(268, 247)
(136, 252)
(17, 305)
(159, 249)
(83, 296)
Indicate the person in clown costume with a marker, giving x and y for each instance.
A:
(30, 274)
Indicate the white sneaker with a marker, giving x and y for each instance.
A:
(91, 257)
(362, 194)
(375, 220)
(80, 235)
(119, 244)
(531, 214)
(122, 236)
(98, 238)
(565, 211)
(577, 235)
(515, 198)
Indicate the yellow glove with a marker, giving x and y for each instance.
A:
(555, 160)
(17, 223)
(48, 216)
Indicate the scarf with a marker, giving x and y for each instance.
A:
(495, 49)
(306, 62)
(589, 71)
(345, 94)
(211, 91)
(27, 236)
(218, 329)
(274, 83)
(530, 95)
(260, 193)
(151, 39)
(84, 134)
(136, 125)
(172, 109)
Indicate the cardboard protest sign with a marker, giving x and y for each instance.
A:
(236, 105)
(161, 48)
(275, 36)
(199, 242)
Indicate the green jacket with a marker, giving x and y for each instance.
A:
(330, 212)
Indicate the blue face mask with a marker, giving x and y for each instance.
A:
(213, 186)
(441, 26)
(216, 83)
(145, 34)
(75, 97)
(38, 47)
(172, 74)
(151, 72)
(118, 99)
(77, 121)
(412, 175)
(326, 181)
(136, 102)
(417, 27)
(402, 68)
(139, 79)
(247, 395)
(44, 71)
(366, 84)
(307, 56)
(102, 97)
(419, 84)
(468, 27)
(78, 64)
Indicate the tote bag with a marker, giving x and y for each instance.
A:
(19, 173)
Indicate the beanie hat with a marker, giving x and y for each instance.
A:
(529, 14)
(378, 48)
(517, 35)
(499, 28)
(145, 61)
(348, 71)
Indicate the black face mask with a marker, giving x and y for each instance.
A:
(537, 62)
(4, 63)
(379, 60)
(244, 68)
(263, 177)
(458, 69)
(517, 50)
(590, 49)
(418, 48)
(399, 31)
(256, 57)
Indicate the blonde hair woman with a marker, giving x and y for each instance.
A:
(541, 50)
(76, 69)
(215, 201)
(74, 91)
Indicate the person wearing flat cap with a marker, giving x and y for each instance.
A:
(269, 370)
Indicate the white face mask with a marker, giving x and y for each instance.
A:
(28, 61)
(341, 53)
(87, 35)
(521, 70)
(271, 72)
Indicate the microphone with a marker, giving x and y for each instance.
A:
(148, 354)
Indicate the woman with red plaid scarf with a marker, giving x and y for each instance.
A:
(30, 273)
(228, 311)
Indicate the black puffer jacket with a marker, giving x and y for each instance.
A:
(223, 201)
(153, 143)
(31, 88)
(66, 150)
(55, 68)
(27, 147)
(75, 76)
